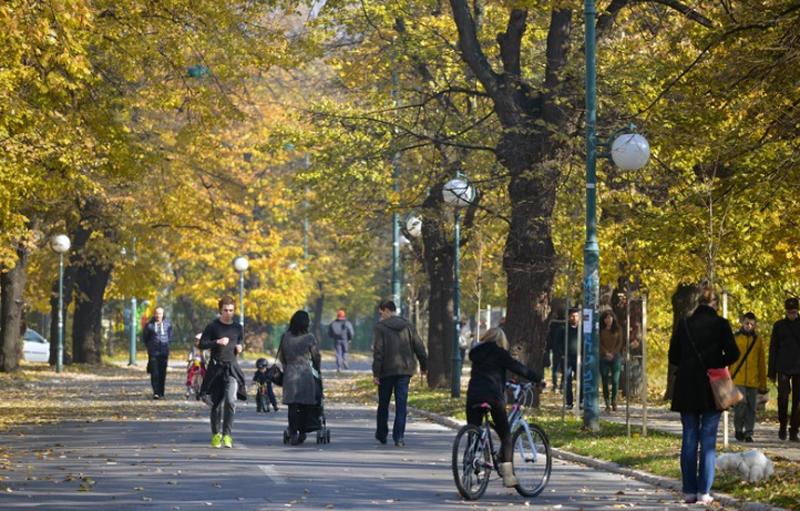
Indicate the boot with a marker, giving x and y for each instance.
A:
(507, 471)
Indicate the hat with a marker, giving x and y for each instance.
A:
(791, 304)
(340, 314)
(261, 362)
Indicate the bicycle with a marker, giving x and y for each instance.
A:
(474, 455)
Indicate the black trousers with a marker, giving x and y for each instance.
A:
(789, 384)
(158, 373)
(499, 421)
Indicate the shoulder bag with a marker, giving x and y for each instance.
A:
(725, 392)
(274, 372)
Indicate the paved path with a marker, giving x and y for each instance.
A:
(167, 464)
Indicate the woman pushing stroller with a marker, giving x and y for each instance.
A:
(302, 388)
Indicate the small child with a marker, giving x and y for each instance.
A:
(263, 388)
(194, 375)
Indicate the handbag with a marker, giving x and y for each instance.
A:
(274, 372)
(726, 393)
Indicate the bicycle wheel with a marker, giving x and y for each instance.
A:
(532, 461)
(472, 464)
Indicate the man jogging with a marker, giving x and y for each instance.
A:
(224, 381)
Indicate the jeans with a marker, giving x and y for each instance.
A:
(399, 385)
(341, 354)
(744, 413)
(610, 369)
(158, 373)
(698, 429)
(265, 392)
(223, 405)
(789, 384)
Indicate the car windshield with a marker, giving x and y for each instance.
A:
(33, 335)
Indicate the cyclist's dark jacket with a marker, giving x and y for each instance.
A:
(489, 365)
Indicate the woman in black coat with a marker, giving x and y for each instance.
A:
(490, 361)
(701, 342)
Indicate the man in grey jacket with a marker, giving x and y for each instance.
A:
(341, 333)
(396, 347)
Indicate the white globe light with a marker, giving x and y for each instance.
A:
(458, 193)
(414, 226)
(60, 243)
(241, 264)
(630, 151)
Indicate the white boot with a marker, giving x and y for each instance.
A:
(507, 471)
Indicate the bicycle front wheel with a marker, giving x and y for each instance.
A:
(472, 463)
(532, 460)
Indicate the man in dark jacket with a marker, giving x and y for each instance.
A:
(157, 335)
(396, 347)
(784, 365)
(224, 381)
(572, 356)
(341, 333)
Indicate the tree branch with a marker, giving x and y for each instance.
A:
(511, 42)
(470, 48)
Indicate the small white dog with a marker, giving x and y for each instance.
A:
(751, 465)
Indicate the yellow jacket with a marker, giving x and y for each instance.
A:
(753, 372)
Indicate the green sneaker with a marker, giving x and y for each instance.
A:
(227, 441)
(216, 441)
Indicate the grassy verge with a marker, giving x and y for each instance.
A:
(657, 453)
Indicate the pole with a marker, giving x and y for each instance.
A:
(60, 355)
(725, 413)
(241, 299)
(134, 319)
(564, 358)
(628, 358)
(455, 391)
(395, 216)
(591, 253)
(643, 342)
(578, 368)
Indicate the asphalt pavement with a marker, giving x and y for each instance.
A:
(168, 464)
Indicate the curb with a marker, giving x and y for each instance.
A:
(609, 466)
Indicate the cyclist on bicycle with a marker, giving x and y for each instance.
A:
(490, 361)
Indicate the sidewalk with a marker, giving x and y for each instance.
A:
(765, 437)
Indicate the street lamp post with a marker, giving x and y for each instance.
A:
(60, 243)
(457, 193)
(629, 152)
(240, 264)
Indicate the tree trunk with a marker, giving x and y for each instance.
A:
(12, 287)
(191, 314)
(91, 279)
(439, 267)
(319, 303)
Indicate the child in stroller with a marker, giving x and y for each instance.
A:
(195, 373)
(263, 388)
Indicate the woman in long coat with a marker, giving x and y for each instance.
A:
(300, 360)
(701, 342)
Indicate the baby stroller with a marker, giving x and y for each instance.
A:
(313, 417)
(195, 372)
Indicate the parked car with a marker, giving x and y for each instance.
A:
(35, 348)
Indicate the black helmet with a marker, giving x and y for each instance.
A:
(261, 362)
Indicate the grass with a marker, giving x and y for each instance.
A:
(656, 454)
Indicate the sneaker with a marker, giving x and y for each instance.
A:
(227, 441)
(689, 498)
(274, 408)
(399, 443)
(748, 439)
(379, 439)
(216, 441)
(782, 433)
(793, 437)
(739, 436)
(704, 499)
(156, 396)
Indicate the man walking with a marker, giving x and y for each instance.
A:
(784, 364)
(224, 381)
(341, 333)
(157, 335)
(572, 357)
(396, 347)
